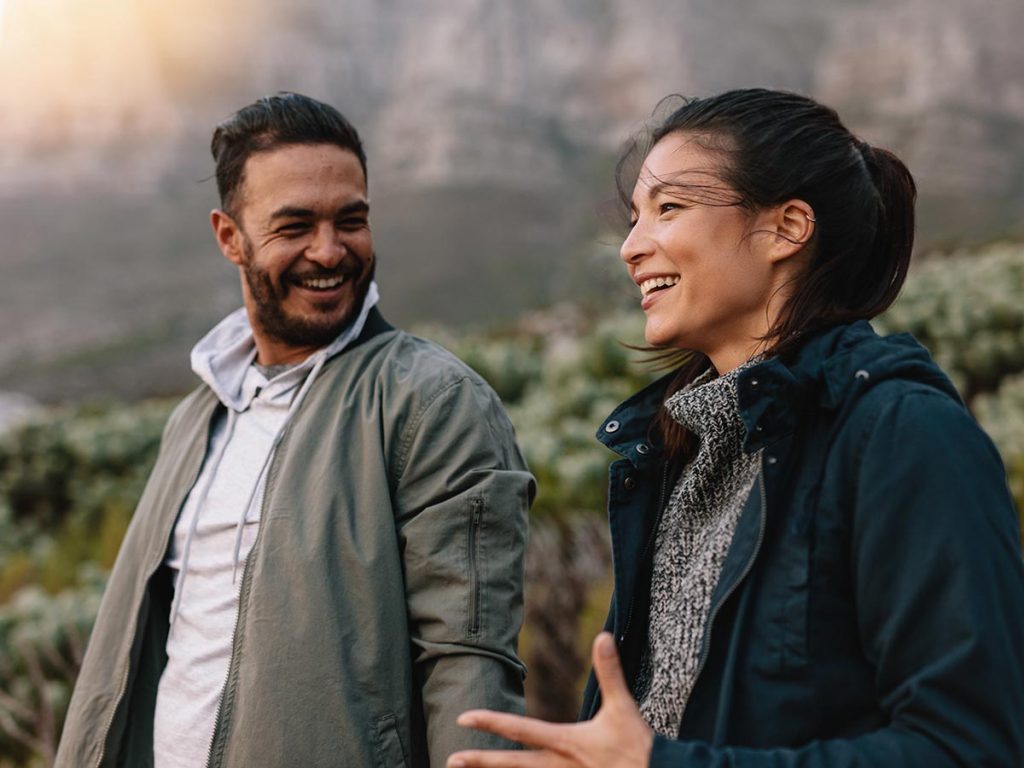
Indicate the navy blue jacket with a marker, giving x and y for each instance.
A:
(870, 611)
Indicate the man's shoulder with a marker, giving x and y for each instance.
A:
(421, 366)
(197, 404)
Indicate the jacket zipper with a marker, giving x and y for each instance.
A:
(117, 702)
(135, 620)
(474, 586)
(650, 541)
(706, 649)
(243, 595)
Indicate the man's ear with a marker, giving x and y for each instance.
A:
(793, 223)
(228, 235)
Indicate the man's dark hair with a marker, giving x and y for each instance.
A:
(275, 121)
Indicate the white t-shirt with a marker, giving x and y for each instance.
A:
(199, 645)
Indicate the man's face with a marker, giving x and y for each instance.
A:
(301, 239)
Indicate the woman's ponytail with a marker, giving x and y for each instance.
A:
(889, 254)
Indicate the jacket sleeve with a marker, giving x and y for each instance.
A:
(939, 585)
(462, 500)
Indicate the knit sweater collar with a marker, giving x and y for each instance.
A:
(710, 405)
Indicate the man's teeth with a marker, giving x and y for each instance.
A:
(322, 283)
(657, 282)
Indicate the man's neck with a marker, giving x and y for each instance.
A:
(271, 371)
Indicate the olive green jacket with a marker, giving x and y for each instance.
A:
(383, 594)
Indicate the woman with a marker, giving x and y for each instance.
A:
(816, 556)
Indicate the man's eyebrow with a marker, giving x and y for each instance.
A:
(291, 212)
(358, 206)
(294, 212)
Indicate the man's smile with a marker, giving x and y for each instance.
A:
(321, 283)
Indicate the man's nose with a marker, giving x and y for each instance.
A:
(328, 248)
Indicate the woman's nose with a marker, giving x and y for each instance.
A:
(636, 245)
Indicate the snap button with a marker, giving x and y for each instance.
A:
(772, 460)
(754, 382)
(862, 374)
(643, 449)
(629, 483)
(611, 426)
(759, 428)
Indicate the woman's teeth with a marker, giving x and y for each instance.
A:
(657, 282)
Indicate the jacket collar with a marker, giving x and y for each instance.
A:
(223, 356)
(628, 430)
(829, 371)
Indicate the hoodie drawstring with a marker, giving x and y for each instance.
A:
(215, 464)
(296, 402)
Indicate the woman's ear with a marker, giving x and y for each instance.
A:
(793, 224)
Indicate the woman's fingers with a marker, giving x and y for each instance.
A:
(618, 736)
(525, 730)
(503, 759)
(608, 670)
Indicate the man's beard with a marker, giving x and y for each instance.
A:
(298, 331)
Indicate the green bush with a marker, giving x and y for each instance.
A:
(967, 309)
(68, 485)
(42, 639)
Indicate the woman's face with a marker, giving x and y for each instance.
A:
(697, 256)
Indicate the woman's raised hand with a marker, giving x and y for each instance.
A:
(617, 737)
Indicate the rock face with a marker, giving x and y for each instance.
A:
(496, 92)
(491, 128)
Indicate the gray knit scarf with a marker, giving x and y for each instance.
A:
(693, 538)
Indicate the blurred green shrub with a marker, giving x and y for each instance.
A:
(68, 485)
(968, 310)
(42, 639)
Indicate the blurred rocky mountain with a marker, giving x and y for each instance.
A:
(491, 128)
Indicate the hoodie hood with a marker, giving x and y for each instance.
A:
(223, 356)
(831, 371)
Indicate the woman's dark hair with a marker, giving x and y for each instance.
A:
(777, 146)
(275, 121)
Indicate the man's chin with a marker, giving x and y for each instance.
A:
(304, 321)
(305, 331)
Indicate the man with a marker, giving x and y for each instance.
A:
(325, 567)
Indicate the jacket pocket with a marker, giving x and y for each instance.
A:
(390, 753)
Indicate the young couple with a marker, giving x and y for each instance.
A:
(816, 557)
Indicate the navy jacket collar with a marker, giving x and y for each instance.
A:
(830, 370)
